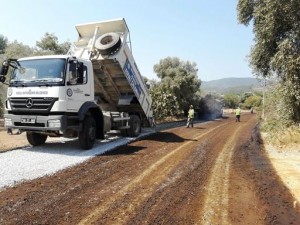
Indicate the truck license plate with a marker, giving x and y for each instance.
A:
(27, 120)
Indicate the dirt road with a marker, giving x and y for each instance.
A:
(214, 173)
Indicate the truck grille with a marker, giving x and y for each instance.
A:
(32, 104)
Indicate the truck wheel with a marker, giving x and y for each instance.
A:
(36, 139)
(135, 126)
(107, 43)
(87, 136)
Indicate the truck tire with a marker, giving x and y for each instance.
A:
(87, 136)
(36, 139)
(108, 43)
(135, 126)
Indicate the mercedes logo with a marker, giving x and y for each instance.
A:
(29, 103)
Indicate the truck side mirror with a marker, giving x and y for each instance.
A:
(2, 79)
(4, 68)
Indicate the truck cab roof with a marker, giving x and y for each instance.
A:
(45, 57)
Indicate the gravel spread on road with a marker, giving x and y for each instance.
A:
(33, 162)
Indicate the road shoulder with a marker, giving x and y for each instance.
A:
(286, 162)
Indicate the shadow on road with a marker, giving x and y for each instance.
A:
(168, 137)
(124, 150)
(276, 199)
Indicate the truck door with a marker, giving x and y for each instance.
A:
(78, 85)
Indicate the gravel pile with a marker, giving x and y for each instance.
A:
(30, 163)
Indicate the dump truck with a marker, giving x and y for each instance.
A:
(93, 89)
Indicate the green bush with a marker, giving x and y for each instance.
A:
(281, 114)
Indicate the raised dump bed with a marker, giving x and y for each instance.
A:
(119, 85)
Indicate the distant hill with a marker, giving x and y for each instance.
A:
(234, 84)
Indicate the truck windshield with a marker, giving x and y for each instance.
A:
(39, 71)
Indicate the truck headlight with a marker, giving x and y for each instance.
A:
(54, 123)
(8, 122)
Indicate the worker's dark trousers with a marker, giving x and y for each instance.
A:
(190, 121)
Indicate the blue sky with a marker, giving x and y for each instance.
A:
(201, 31)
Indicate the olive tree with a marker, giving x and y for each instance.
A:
(49, 45)
(253, 101)
(179, 79)
(231, 100)
(17, 50)
(1, 108)
(3, 43)
(276, 25)
(164, 103)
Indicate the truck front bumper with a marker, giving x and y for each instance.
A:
(36, 123)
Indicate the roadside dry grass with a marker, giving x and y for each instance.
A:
(287, 138)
